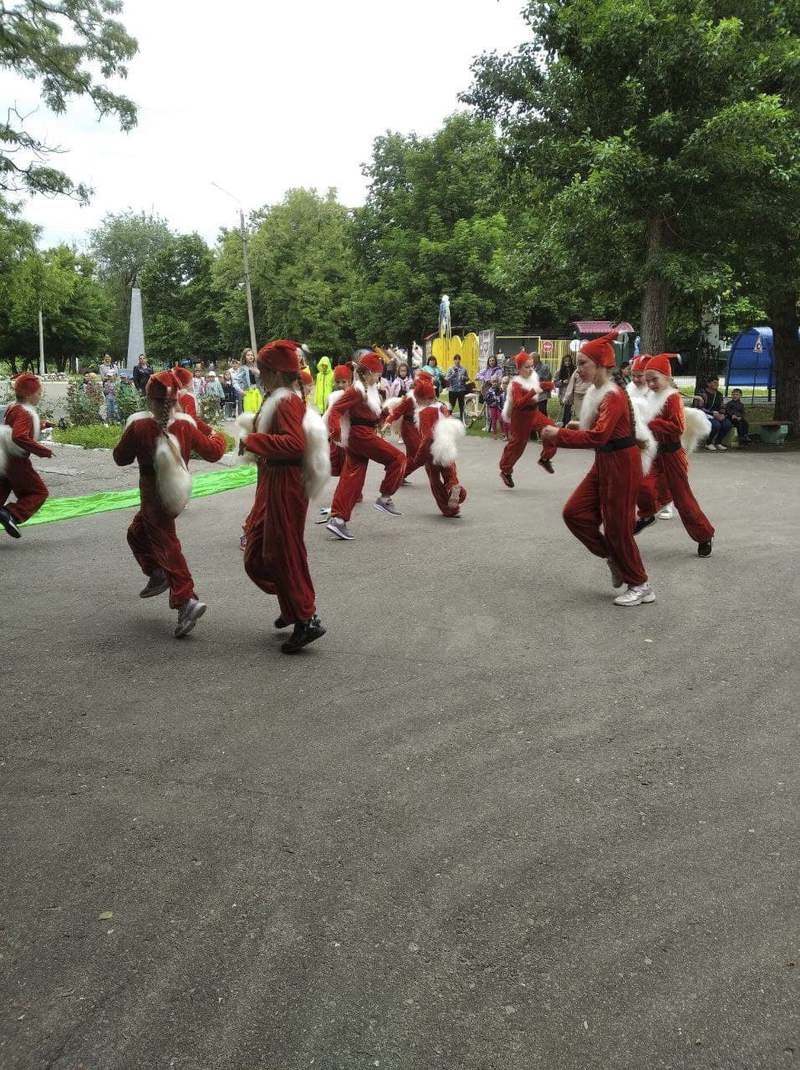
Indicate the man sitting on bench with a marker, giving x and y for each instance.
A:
(734, 411)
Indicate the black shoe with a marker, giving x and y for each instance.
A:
(506, 478)
(281, 622)
(10, 524)
(305, 632)
(642, 523)
(156, 584)
(548, 466)
(704, 548)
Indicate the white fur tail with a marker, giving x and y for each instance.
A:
(5, 447)
(316, 457)
(173, 479)
(697, 430)
(394, 427)
(641, 415)
(444, 448)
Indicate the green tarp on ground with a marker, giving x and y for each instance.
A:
(202, 485)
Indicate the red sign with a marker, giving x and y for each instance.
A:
(547, 347)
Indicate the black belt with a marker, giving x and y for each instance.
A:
(617, 444)
(147, 470)
(670, 447)
(364, 423)
(284, 462)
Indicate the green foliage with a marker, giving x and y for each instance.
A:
(83, 403)
(208, 408)
(67, 46)
(92, 436)
(129, 400)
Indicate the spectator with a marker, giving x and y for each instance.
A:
(249, 362)
(563, 376)
(456, 379)
(230, 405)
(323, 384)
(107, 368)
(198, 383)
(625, 371)
(509, 366)
(110, 394)
(545, 376)
(401, 384)
(491, 372)
(734, 411)
(712, 405)
(573, 398)
(493, 396)
(240, 377)
(432, 368)
(141, 373)
(214, 389)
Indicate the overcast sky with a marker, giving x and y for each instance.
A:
(259, 97)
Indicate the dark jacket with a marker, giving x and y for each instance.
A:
(140, 377)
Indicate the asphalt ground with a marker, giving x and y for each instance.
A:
(489, 822)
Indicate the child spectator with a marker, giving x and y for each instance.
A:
(494, 396)
(734, 411)
(110, 394)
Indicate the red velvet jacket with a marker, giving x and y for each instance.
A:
(670, 423)
(353, 404)
(613, 421)
(22, 430)
(138, 442)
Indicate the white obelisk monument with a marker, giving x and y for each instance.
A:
(136, 328)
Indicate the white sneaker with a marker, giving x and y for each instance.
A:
(324, 516)
(386, 505)
(711, 447)
(667, 513)
(721, 448)
(336, 526)
(188, 615)
(636, 596)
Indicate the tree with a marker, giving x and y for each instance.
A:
(433, 223)
(63, 45)
(624, 108)
(123, 245)
(303, 274)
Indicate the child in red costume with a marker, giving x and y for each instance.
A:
(19, 438)
(437, 450)
(353, 422)
(290, 444)
(669, 479)
(342, 378)
(522, 415)
(187, 402)
(162, 440)
(606, 497)
(405, 410)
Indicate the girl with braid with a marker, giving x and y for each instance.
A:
(162, 440)
(289, 442)
(606, 497)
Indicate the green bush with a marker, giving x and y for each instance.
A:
(83, 403)
(90, 436)
(129, 400)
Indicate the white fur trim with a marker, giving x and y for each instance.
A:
(183, 416)
(333, 397)
(371, 396)
(173, 479)
(592, 400)
(34, 415)
(643, 434)
(697, 428)
(637, 392)
(531, 383)
(444, 447)
(134, 416)
(657, 401)
(266, 414)
(8, 447)
(316, 456)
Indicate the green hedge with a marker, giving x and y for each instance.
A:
(103, 436)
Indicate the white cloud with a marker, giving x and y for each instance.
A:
(260, 96)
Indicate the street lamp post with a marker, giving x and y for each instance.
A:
(246, 259)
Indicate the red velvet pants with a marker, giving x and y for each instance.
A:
(442, 480)
(337, 459)
(669, 481)
(155, 546)
(363, 446)
(607, 498)
(523, 423)
(26, 484)
(410, 434)
(275, 556)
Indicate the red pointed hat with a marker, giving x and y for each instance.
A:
(25, 384)
(424, 387)
(162, 385)
(638, 364)
(343, 371)
(521, 358)
(601, 350)
(660, 363)
(280, 356)
(371, 362)
(183, 375)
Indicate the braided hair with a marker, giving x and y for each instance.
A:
(161, 408)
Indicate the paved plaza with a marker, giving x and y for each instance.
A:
(489, 822)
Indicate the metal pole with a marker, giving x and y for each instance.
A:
(41, 343)
(249, 292)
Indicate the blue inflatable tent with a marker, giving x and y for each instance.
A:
(750, 360)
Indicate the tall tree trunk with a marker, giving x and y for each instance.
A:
(655, 299)
(783, 317)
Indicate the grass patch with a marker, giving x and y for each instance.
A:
(105, 436)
